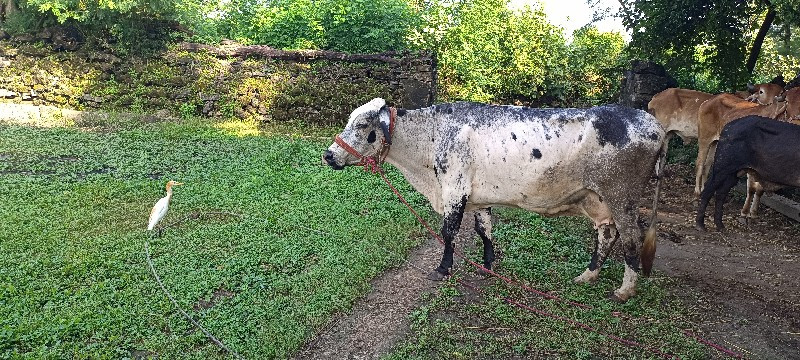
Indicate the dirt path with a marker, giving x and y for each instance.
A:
(741, 287)
(380, 320)
(745, 280)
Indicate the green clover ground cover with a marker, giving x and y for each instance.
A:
(74, 281)
(459, 323)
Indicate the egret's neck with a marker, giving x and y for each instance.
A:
(169, 191)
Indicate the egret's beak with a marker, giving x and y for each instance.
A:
(178, 183)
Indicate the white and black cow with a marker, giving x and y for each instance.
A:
(760, 147)
(471, 157)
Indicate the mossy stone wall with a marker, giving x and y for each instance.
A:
(310, 87)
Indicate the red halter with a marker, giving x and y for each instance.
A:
(377, 159)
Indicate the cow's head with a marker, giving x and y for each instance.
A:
(764, 94)
(366, 132)
(792, 98)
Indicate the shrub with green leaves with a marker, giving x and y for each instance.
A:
(351, 26)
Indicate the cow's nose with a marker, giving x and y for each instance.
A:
(328, 156)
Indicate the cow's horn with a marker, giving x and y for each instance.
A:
(751, 88)
(780, 98)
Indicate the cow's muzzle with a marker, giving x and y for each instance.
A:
(328, 157)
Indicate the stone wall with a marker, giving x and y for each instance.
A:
(642, 82)
(317, 87)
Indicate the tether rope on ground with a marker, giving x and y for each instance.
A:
(169, 295)
(627, 342)
(370, 164)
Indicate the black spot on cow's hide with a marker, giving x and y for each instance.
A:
(653, 136)
(449, 110)
(547, 136)
(536, 154)
(580, 137)
(612, 124)
(401, 112)
(514, 136)
(441, 164)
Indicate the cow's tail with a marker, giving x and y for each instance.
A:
(649, 246)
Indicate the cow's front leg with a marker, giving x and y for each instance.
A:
(483, 227)
(607, 235)
(453, 213)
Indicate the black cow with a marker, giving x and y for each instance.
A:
(754, 145)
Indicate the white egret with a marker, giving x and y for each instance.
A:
(160, 209)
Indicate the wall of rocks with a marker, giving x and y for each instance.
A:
(642, 82)
(272, 86)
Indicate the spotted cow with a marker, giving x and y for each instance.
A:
(472, 157)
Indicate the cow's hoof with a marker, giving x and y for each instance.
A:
(744, 220)
(435, 275)
(618, 297)
(588, 277)
(700, 227)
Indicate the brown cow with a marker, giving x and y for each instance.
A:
(754, 188)
(721, 109)
(676, 110)
(763, 94)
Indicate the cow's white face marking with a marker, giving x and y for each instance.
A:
(363, 132)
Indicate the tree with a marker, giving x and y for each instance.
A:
(719, 40)
(8, 8)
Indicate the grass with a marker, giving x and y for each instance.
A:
(74, 201)
(458, 323)
(74, 281)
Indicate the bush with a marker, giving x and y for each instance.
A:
(359, 26)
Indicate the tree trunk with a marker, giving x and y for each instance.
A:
(759, 41)
(7, 8)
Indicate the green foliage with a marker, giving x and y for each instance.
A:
(351, 26)
(594, 63)
(74, 282)
(705, 44)
(488, 52)
(491, 52)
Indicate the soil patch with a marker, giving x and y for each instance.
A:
(380, 320)
(743, 283)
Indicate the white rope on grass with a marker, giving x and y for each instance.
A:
(172, 299)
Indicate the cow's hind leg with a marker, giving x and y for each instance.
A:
(702, 154)
(483, 227)
(453, 214)
(632, 238)
(607, 235)
(720, 197)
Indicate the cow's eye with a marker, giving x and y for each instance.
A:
(361, 126)
(371, 137)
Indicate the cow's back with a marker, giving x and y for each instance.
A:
(543, 156)
(676, 109)
(764, 145)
